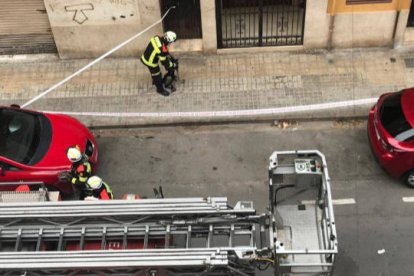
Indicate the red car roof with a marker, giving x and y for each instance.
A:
(407, 102)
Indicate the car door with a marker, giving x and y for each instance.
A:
(12, 172)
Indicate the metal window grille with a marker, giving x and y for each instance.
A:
(252, 23)
(184, 20)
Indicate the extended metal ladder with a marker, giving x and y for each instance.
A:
(143, 237)
(180, 236)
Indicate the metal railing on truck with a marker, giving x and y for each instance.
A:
(304, 222)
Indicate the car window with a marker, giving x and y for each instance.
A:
(392, 117)
(19, 135)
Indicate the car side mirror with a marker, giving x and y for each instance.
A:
(89, 148)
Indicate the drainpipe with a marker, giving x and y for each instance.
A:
(394, 33)
(331, 24)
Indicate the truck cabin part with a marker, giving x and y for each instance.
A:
(179, 236)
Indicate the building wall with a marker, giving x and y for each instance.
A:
(367, 25)
(86, 29)
(208, 23)
(90, 28)
(316, 33)
(336, 24)
(373, 29)
(407, 37)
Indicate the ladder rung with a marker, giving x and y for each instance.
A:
(188, 240)
(103, 242)
(252, 235)
(18, 239)
(167, 236)
(125, 239)
(146, 237)
(82, 240)
(60, 244)
(39, 239)
(231, 238)
(210, 235)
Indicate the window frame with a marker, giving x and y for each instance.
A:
(362, 2)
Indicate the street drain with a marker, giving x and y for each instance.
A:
(409, 62)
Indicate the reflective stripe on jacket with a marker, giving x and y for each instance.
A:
(103, 193)
(81, 173)
(156, 51)
(108, 190)
(151, 54)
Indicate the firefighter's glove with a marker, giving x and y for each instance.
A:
(175, 65)
(64, 176)
(91, 198)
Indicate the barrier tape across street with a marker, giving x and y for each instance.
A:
(228, 113)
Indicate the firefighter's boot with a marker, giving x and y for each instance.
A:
(160, 86)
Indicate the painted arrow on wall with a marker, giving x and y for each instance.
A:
(79, 17)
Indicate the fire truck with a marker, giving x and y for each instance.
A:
(40, 235)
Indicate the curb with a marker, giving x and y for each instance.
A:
(94, 122)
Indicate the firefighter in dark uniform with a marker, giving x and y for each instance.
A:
(80, 171)
(98, 189)
(157, 50)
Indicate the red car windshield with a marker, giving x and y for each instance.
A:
(393, 119)
(19, 135)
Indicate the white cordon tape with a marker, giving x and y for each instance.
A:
(408, 199)
(227, 113)
(95, 61)
(341, 201)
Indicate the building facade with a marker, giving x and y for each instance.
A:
(89, 28)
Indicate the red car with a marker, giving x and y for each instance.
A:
(33, 147)
(391, 134)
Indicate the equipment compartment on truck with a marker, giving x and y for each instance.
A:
(301, 202)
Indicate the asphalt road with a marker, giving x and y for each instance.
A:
(232, 161)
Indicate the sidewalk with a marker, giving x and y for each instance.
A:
(211, 88)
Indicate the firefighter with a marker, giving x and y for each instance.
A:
(80, 171)
(157, 50)
(97, 188)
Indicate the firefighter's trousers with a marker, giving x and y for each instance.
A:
(156, 77)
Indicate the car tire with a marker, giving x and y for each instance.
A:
(409, 179)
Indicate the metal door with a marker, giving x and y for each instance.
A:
(410, 21)
(25, 28)
(253, 23)
(185, 19)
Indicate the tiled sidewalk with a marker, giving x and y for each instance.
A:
(211, 83)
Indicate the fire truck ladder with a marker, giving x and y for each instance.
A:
(181, 236)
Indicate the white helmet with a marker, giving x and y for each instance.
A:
(74, 154)
(170, 36)
(94, 182)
